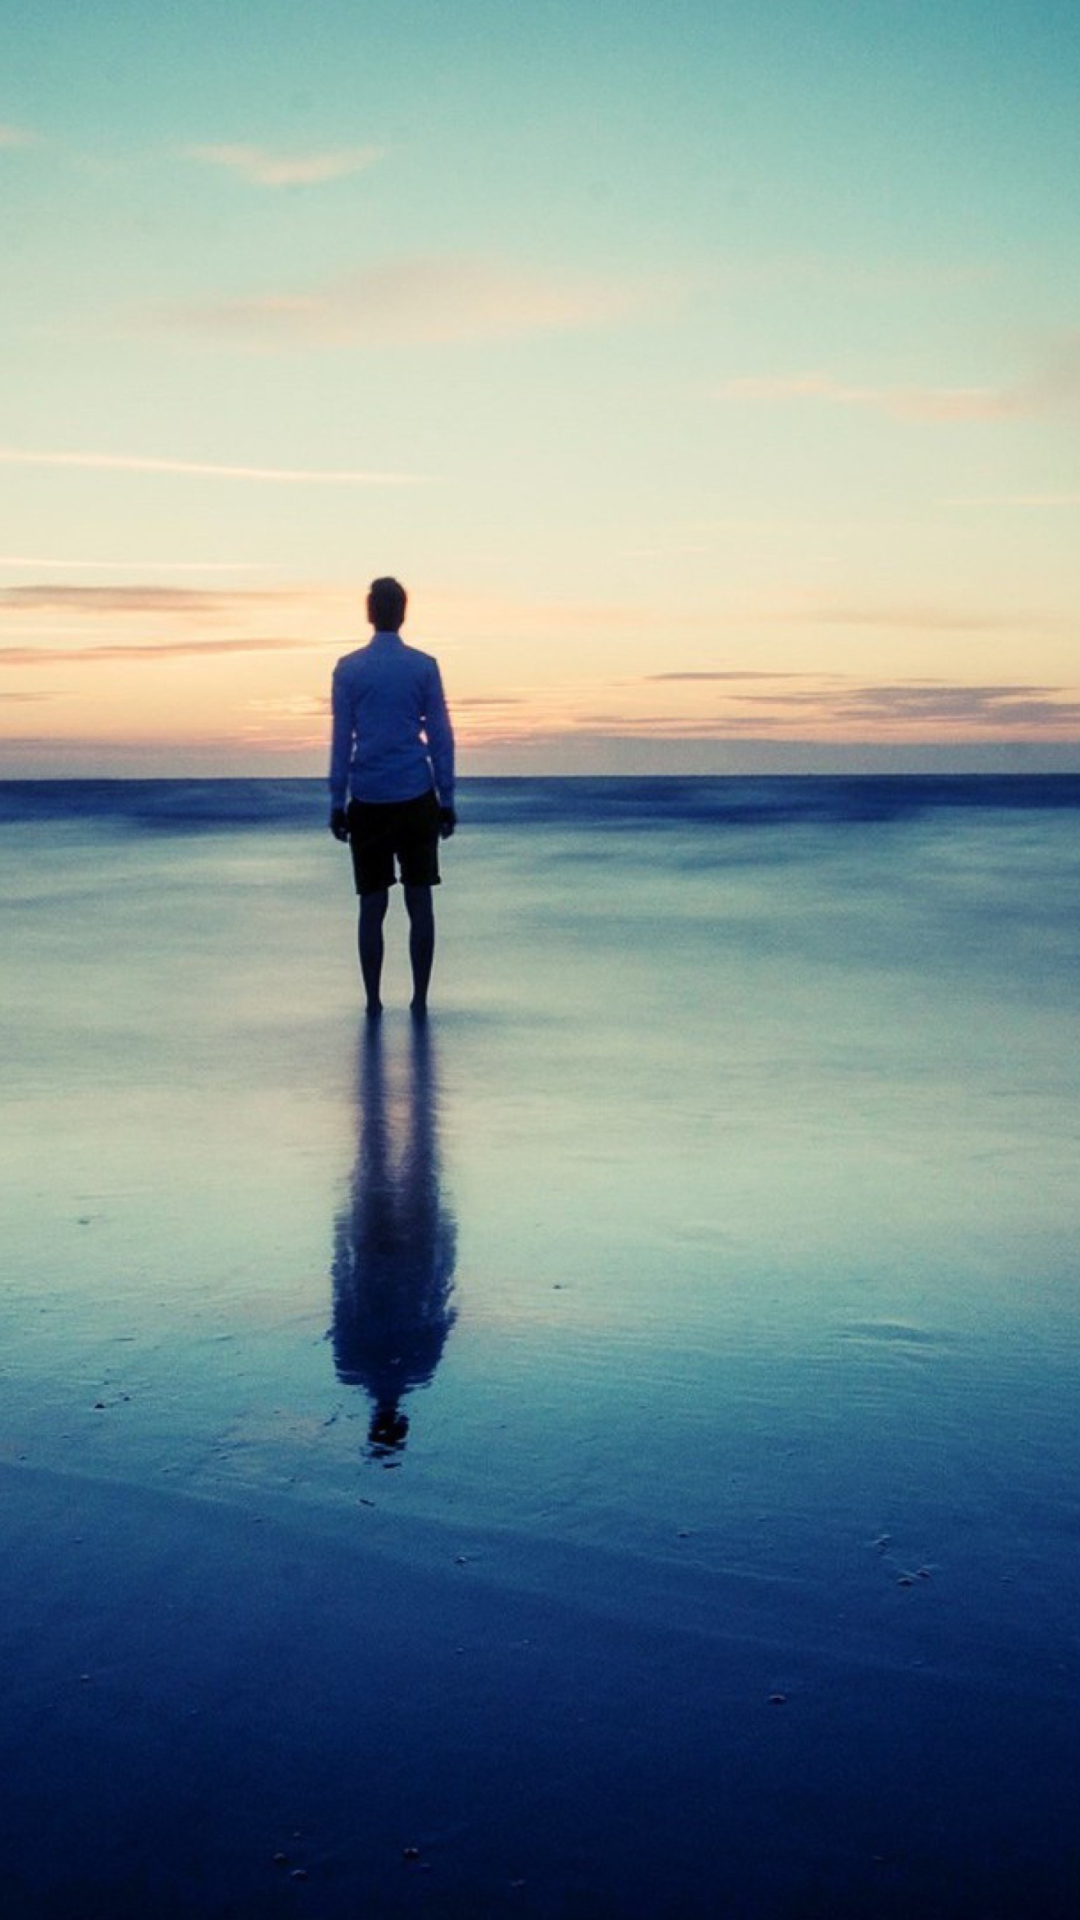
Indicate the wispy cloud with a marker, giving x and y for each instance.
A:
(21, 561)
(902, 403)
(203, 469)
(265, 167)
(935, 706)
(1052, 387)
(912, 616)
(136, 600)
(1034, 500)
(883, 277)
(298, 706)
(466, 703)
(727, 674)
(1056, 381)
(418, 299)
(833, 706)
(151, 650)
(818, 609)
(17, 136)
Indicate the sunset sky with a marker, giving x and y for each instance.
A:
(709, 372)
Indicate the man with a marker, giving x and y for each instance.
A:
(392, 784)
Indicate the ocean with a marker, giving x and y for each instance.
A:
(698, 1287)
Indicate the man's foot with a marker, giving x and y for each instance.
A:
(373, 1009)
(418, 1009)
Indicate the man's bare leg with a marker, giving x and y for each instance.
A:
(418, 906)
(370, 940)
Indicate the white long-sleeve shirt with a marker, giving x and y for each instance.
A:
(392, 738)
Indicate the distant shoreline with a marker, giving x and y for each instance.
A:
(529, 803)
(654, 776)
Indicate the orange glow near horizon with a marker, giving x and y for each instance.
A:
(247, 669)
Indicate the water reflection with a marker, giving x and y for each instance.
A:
(394, 1243)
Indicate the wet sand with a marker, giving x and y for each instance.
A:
(221, 1713)
(613, 1453)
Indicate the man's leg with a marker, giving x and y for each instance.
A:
(421, 914)
(372, 914)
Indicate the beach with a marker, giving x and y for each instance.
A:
(610, 1450)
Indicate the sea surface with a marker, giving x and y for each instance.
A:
(706, 1267)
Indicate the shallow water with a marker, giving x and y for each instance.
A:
(748, 1110)
(710, 1257)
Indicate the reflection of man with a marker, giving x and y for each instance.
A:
(392, 784)
(394, 1244)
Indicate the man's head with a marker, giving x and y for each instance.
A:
(386, 603)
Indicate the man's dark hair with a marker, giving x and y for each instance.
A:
(386, 605)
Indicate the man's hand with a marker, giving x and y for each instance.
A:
(339, 824)
(447, 822)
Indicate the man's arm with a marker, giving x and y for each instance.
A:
(340, 754)
(440, 739)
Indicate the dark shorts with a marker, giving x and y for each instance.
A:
(405, 829)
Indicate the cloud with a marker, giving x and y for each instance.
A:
(1056, 382)
(17, 136)
(995, 706)
(730, 674)
(151, 650)
(673, 726)
(23, 561)
(1035, 500)
(468, 702)
(951, 403)
(901, 403)
(911, 616)
(812, 608)
(833, 707)
(203, 469)
(296, 706)
(1053, 387)
(928, 704)
(261, 167)
(422, 298)
(132, 600)
(885, 276)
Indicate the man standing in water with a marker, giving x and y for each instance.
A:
(392, 784)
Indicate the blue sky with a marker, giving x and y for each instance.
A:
(710, 374)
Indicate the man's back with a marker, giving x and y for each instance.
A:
(391, 728)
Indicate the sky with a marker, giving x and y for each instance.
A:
(708, 372)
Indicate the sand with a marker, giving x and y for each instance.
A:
(718, 1242)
